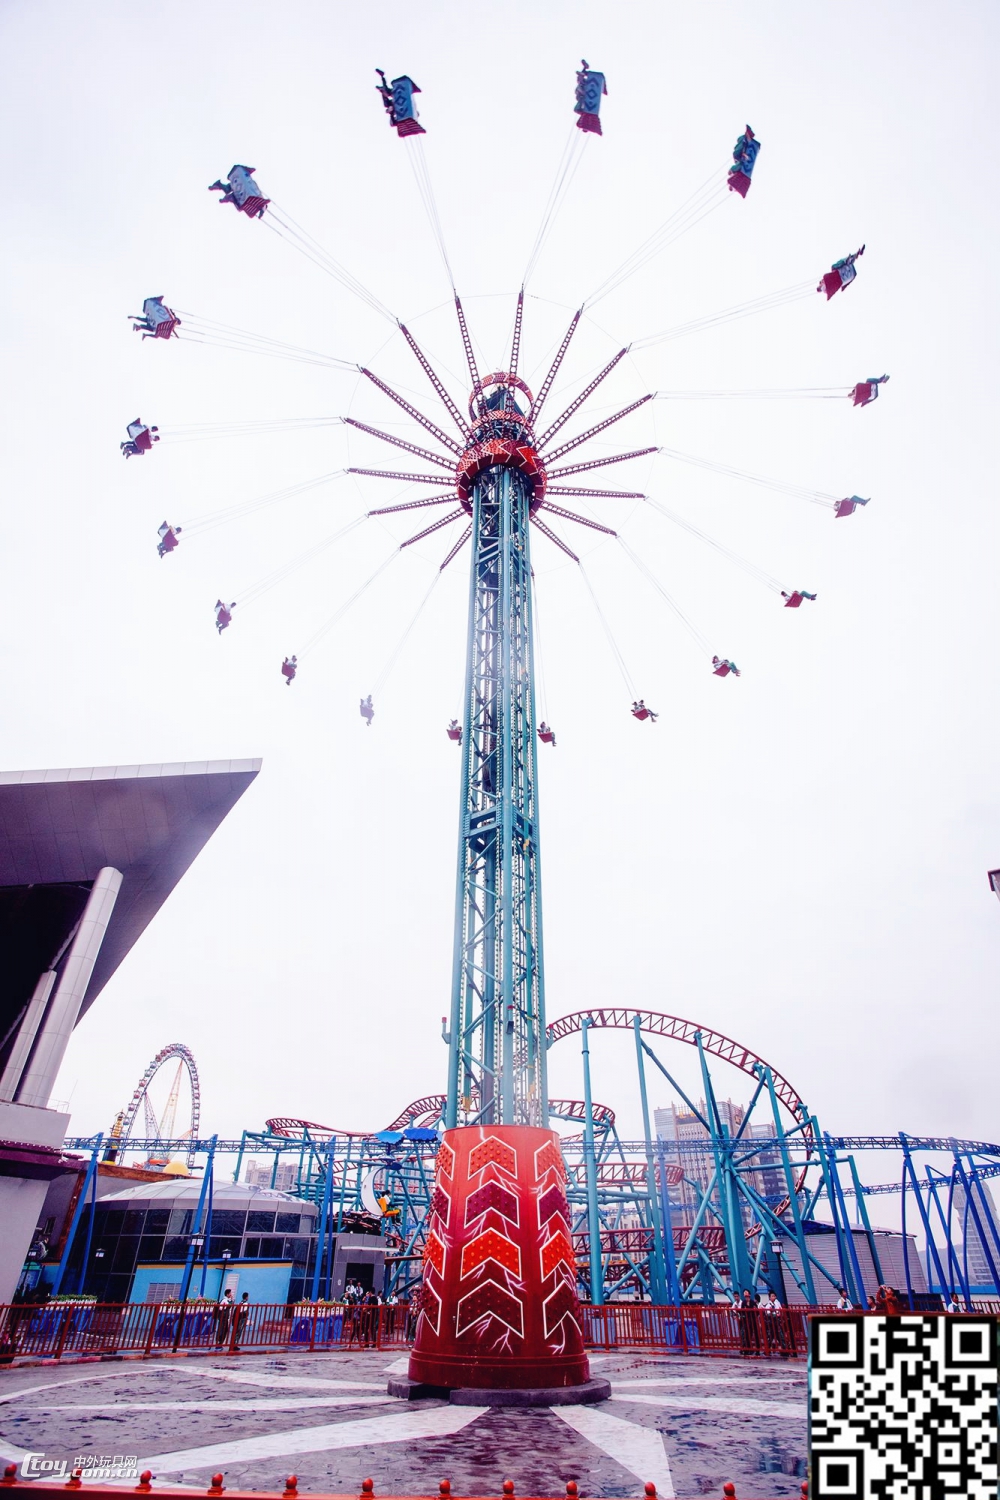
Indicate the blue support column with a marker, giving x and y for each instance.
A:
(324, 1219)
(909, 1173)
(857, 1292)
(590, 1169)
(955, 1277)
(729, 1211)
(674, 1293)
(343, 1186)
(863, 1212)
(972, 1208)
(196, 1228)
(89, 1184)
(843, 1253)
(791, 1191)
(207, 1248)
(661, 1265)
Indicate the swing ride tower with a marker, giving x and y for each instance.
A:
(499, 1306)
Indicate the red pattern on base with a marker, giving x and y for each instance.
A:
(499, 1306)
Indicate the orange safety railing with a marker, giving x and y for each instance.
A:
(54, 1330)
(43, 1490)
(697, 1329)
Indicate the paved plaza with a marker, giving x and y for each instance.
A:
(685, 1424)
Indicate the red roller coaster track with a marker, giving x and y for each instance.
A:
(656, 1023)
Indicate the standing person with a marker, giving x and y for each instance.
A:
(370, 1304)
(223, 1315)
(844, 1303)
(352, 1313)
(242, 1318)
(413, 1312)
(775, 1323)
(747, 1314)
(954, 1305)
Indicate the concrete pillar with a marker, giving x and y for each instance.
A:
(39, 1076)
(26, 1034)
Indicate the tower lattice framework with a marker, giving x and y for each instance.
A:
(497, 1069)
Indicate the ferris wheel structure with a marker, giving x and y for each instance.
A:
(162, 1127)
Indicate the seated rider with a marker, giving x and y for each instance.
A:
(288, 669)
(866, 391)
(168, 538)
(386, 93)
(140, 439)
(640, 711)
(223, 614)
(546, 734)
(722, 667)
(795, 598)
(367, 711)
(454, 731)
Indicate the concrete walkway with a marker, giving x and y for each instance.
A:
(685, 1424)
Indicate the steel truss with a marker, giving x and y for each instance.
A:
(666, 1227)
(497, 1026)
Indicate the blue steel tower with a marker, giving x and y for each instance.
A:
(496, 1069)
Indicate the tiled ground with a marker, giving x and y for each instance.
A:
(685, 1424)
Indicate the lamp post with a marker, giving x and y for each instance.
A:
(195, 1248)
(778, 1250)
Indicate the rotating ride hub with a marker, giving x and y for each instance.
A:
(499, 1320)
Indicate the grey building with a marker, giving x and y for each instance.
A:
(87, 858)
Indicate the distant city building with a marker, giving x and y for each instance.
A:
(770, 1180)
(688, 1144)
(968, 1240)
(265, 1175)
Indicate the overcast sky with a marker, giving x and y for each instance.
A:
(797, 858)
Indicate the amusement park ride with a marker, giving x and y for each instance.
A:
(163, 1128)
(503, 1223)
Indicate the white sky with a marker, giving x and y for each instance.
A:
(797, 858)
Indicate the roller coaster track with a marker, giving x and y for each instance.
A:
(675, 1029)
(431, 1107)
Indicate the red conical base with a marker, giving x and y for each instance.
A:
(499, 1305)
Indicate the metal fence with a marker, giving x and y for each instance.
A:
(698, 1329)
(54, 1329)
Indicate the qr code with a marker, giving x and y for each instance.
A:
(903, 1408)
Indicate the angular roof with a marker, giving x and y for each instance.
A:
(59, 828)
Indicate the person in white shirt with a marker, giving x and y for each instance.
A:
(954, 1305)
(844, 1303)
(777, 1330)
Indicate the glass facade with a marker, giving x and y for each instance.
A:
(122, 1237)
